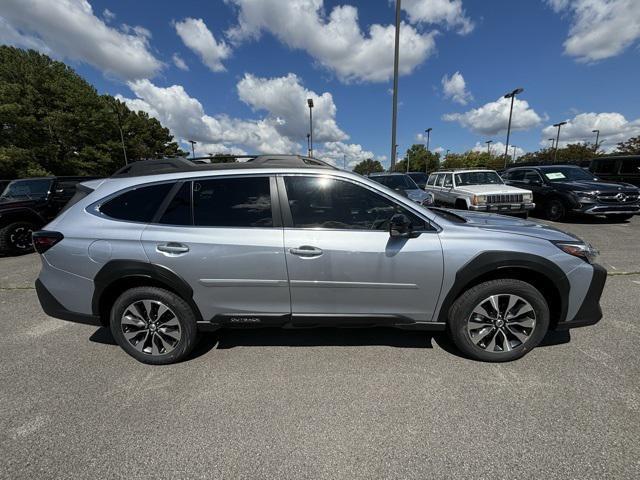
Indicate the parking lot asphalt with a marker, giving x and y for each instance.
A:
(329, 403)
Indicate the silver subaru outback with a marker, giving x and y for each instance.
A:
(161, 257)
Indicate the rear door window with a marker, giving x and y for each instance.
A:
(232, 202)
(137, 205)
(178, 212)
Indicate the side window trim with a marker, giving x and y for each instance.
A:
(287, 218)
(167, 201)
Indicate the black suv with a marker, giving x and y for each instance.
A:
(559, 190)
(623, 168)
(29, 204)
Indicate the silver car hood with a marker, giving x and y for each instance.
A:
(502, 223)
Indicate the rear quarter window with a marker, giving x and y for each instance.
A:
(137, 205)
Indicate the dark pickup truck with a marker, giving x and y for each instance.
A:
(560, 190)
(29, 204)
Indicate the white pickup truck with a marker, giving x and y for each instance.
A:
(478, 190)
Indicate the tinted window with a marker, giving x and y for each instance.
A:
(432, 179)
(604, 166)
(232, 202)
(28, 189)
(517, 175)
(630, 165)
(532, 176)
(396, 182)
(319, 202)
(137, 205)
(178, 211)
(564, 174)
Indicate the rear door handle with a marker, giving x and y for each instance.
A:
(306, 251)
(172, 247)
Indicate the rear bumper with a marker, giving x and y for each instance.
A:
(54, 308)
(589, 312)
(504, 208)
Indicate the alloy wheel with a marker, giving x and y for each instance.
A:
(501, 323)
(151, 327)
(20, 238)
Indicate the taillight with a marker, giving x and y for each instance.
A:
(44, 240)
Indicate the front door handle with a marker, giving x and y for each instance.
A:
(175, 248)
(306, 251)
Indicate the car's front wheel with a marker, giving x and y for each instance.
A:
(154, 325)
(499, 320)
(554, 210)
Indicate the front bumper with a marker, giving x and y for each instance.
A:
(607, 209)
(504, 208)
(589, 312)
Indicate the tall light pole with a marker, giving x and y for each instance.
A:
(555, 153)
(514, 153)
(310, 104)
(597, 132)
(308, 144)
(489, 142)
(193, 148)
(394, 117)
(552, 140)
(512, 96)
(426, 162)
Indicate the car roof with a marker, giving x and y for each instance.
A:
(386, 174)
(464, 170)
(179, 164)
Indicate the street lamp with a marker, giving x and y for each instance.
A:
(552, 140)
(489, 142)
(426, 162)
(396, 56)
(310, 104)
(597, 132)
(555, 154)
(514, 153)
(512, 96)
(308, 144)
(193, 148)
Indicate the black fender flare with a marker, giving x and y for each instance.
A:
(21, 214)
(117, 270)
(487, 262)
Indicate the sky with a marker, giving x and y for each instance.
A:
(234, 75)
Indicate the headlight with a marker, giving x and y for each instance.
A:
(589, 195)
(578, 249)
(479, 199)
(527, 197)
(428, 199)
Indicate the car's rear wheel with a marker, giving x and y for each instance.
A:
(499, 320)
(15, 238)
(154, 325)
(554, 210)
(619, 217)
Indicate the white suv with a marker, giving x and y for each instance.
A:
(478, 190)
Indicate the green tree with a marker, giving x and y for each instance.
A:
(572, 153)
(630, 147)
(420, 160)
(54, 122)
(368, 166)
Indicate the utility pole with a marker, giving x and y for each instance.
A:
(514, 153)
(597, 132)
(489, 142)
(555, 154)
(193, 148)
(308, 144)
(310, 104)
(344, 161)
(552, 140)
(512, 96)
(426, 163)
(394, 118)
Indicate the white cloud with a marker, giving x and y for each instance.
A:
(497, 148)
(108, 15)
(492, 118)
(599, 28)
(614, 128)
(70, 29)
(195, 35)
(336, 41)
(448, 12)
(339, 153)
(179, 62)
(455, 88)
(285, 100)
(204, 149)
(185, 117)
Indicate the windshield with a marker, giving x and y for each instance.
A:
(397, 182)
(27, 189)
(567, 174)
(478, 178)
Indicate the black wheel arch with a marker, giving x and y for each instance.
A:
(21, 215)
(117, 276)
(536, 270)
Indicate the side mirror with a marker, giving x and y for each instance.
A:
(400, 226)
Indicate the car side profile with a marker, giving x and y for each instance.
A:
(159, 258)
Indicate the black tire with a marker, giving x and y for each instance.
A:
(461, 312)
(619, 217)
(554, 210)
(184, 315)
(461, 204)
(15, 238)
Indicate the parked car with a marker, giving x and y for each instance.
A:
(420, 178)
(560, 190)
(403, 184)
(27, 205)
(479, 190)
(162, 257)
(624, 168)
(3, 184)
